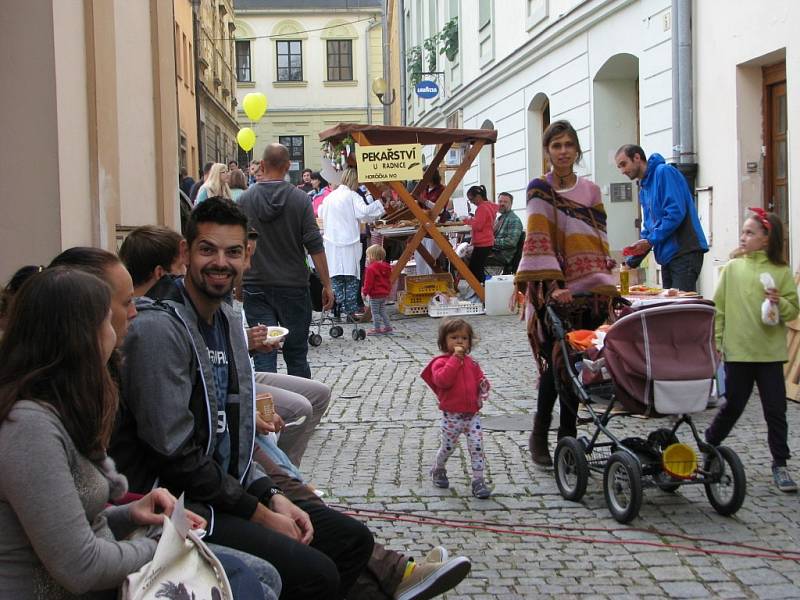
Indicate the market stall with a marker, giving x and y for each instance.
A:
(422, 222)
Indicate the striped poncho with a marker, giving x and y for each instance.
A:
(566, 240)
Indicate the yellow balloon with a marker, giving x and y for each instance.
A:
(255, 105)
(246, 138)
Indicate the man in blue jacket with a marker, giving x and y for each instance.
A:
(670, 225)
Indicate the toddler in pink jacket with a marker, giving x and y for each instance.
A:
(461, 388)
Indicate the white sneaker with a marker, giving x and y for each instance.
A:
(431, 579)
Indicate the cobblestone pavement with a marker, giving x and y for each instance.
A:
(376, 444)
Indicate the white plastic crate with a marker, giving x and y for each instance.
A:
(452, 310)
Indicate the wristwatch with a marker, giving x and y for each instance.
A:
(271, 491)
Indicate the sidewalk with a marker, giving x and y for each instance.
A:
(375, 446)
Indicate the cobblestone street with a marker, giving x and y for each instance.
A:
(375, 446)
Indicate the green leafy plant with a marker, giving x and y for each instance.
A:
(414, 64)
(431, 46)
(449, 38)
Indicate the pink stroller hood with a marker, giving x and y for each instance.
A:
(662, 358)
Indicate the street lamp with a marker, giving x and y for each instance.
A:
(379, 89)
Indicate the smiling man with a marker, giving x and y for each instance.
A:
(187, 380)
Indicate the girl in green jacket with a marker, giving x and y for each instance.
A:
(753, 351)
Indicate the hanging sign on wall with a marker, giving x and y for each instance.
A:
(427, 89)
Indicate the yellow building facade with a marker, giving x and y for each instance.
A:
(315, 66)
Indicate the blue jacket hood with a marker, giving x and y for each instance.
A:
(654, 161)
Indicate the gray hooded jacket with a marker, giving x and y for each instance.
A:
(287, 229)
(169, 395)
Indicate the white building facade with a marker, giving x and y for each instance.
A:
(607, 67)
(315, 62)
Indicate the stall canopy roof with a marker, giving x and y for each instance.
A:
(394, 134)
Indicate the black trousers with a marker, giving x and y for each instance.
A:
(584, 317)
(546, 400)
(739, 379)
(326, 569)
(478, 261)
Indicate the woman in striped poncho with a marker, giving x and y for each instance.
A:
(565, 253)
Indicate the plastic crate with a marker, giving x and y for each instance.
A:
(413, 304)
(416, 299)
(429, 284)
(412, 310)
(451, 310)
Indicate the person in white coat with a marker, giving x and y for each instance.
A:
(342, 211)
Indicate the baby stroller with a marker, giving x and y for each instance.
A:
(326, 318)
(661, 361)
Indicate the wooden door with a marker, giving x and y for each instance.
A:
(776, 170)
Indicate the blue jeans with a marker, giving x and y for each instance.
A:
(682, 272)
(288, 307)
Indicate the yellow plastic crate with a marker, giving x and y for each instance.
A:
(429, 284)
(405, 305)
(415, 299)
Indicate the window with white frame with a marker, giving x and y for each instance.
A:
(290, 60)
(244, 70)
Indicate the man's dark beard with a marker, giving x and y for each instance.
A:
(207, 290)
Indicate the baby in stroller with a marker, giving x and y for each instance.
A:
(661, 359)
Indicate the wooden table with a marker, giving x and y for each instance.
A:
(443, 139)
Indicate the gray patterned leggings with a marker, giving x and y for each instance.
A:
(378, 308)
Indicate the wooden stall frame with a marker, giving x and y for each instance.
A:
(427, 218)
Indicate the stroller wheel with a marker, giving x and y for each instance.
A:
(315, 339)
(571, 468)
(727, 482)
(362, 335)
(622, 486)
(336, 331)
(354, 333)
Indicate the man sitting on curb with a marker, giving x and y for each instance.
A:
(188, 382)
(150, 253)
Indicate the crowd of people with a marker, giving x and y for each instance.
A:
(129, 379)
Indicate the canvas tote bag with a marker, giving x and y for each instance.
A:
(182, 567)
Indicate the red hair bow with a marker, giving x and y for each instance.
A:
(761, 215)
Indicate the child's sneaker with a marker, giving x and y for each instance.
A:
(480, 489)
(374, 331)
(439, 478)
(783, 480)
(387, 330)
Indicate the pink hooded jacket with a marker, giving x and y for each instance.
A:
(455, 382)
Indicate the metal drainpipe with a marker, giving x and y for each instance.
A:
(685, 156)
(370, 25)
(686, 80)
(385, 62)
(402, 44)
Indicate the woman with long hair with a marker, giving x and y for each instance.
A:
(57, 408)
(565, 253)
(341, 212)
(216, 183)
